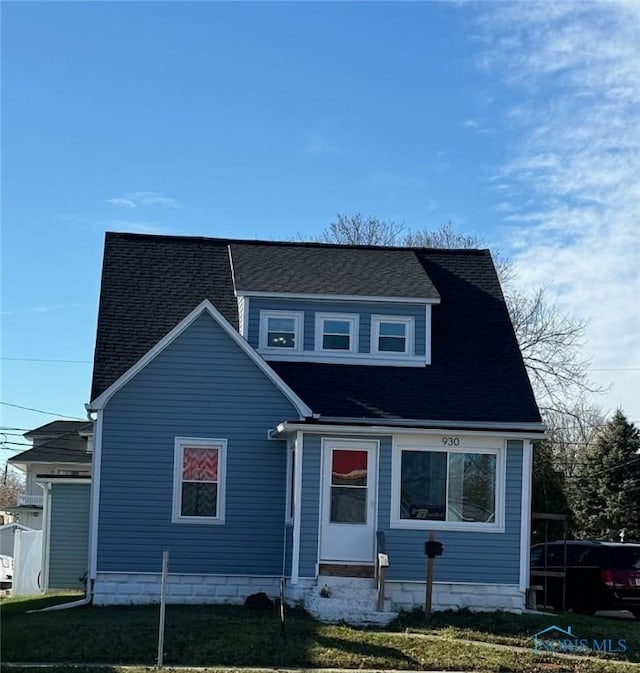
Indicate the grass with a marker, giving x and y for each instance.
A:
(517, 630)
(232, 636)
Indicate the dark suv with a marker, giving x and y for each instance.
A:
(599, 575)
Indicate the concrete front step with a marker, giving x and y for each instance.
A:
(347, 599)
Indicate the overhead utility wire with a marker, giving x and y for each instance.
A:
(40, 411)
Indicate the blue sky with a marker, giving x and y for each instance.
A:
(516, 122)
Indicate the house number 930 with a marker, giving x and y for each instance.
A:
(451, 441)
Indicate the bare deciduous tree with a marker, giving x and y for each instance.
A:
(550, 340)
(11, 486)
(360, 230)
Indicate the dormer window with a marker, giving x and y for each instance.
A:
(336, 332)
(391, 335)
(280, 330)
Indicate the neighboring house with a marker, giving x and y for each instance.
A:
(268, 410)
(56, 498)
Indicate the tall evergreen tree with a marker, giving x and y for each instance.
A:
(607, 484)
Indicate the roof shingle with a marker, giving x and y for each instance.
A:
(150, 283)
(326, 269)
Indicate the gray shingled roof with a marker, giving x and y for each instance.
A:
(58, 427)
(476, 374)
(309, 269)
(151, 282)
(57, 442)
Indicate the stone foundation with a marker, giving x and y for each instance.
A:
(453, 596)
(140, 588)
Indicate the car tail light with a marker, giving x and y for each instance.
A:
(607, 577)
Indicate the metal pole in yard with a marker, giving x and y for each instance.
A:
(163, 602)
(429, 589)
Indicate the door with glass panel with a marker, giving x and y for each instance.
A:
(348, 522)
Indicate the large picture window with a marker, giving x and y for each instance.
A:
(198, 487)
(457, 489)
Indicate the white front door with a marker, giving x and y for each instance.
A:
(348, 521)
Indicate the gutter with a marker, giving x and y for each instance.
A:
(535, 431)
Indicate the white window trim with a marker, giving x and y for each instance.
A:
(296, 316)
(396, 471)
(408, 321)
(354, 332)
(180, 443)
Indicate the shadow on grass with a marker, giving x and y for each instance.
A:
(22, 604)
(364, 654)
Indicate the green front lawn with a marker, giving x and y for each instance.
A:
(232, 636)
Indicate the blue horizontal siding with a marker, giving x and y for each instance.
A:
(201, 385)
(364, 309)
(69, 535)
(468, 556)
(310, 508)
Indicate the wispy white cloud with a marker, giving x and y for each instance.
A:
(475, 125)
(575, 67)
(40, 308)
(142, 199)
(134, 226)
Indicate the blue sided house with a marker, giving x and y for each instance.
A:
(309, 413)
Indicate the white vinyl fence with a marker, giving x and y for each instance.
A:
(27, 562)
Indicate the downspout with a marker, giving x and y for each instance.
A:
(75, 604)
(297, 510)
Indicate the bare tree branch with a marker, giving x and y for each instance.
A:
(551, 341)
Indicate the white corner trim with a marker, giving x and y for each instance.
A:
(46, 536)
(95, 496)
(297, 513)
(205, 306)
(525, 513)
(427, 335)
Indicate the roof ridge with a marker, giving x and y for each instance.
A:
(213, 240)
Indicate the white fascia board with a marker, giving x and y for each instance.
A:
(205, 306)
(407, 428)
(346, 358)
(339, 297)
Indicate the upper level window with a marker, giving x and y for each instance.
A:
(281, 330)
(198, 480)
(391, 335)
(336, 332)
